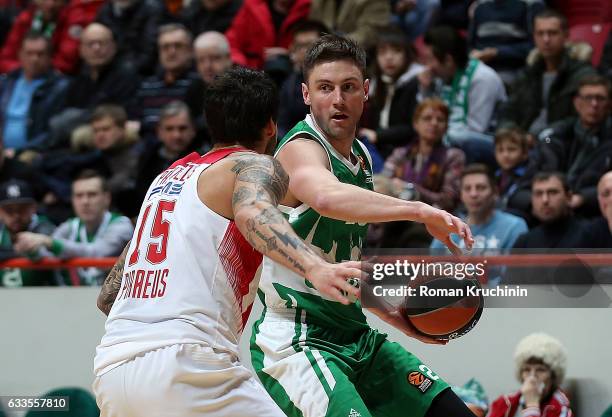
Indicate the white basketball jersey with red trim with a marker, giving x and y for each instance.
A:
(189, 276)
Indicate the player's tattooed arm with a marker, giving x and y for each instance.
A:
(112, 283)
(261, 183)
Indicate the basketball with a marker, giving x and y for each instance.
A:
(444, 308)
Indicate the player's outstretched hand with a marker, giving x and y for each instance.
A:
(440, 224)
(332, 280)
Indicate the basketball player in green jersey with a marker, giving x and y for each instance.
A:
(315, 356)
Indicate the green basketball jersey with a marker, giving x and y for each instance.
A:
(334, 240)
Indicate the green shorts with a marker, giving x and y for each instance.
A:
(316, 371)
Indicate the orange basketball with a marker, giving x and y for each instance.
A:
(443, 307)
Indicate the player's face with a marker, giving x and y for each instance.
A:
(106, 133)
(509, 154)
(89, 200)
(18, 216)
(549, 200)
(336, 93)
(477, 195)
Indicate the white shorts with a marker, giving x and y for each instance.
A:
(182, 380)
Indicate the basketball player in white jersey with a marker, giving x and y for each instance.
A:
(180, 294)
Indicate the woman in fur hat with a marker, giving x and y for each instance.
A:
(540, 367)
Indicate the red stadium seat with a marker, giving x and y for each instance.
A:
(580, 12)
(593, 34)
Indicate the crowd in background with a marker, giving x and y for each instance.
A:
(490, 109)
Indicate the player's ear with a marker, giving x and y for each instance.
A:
(305, 94)
(366, 89)
(270, 129)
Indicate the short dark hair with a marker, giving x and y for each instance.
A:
(114, 111)
(396, 37)
(88, 174)
(307, 26)
(552, 13)
(238, 104)
(330, 48)
(35, 35)
(514, 135)
(546, 175)
(482, 169)
(446, 40)
(595, 80)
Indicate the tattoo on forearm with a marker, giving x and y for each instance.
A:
(265, 173)
(112, 284)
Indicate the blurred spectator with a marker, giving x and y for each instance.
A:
(119, 158)
(471, 89)
(494, 231)
(41, 18)
(134, 25)
(175, 133)
(598, 232)
(511, 152)
(581, 146)
(18, 214)
(101, 81)
(30, 96)
(210, 15)
(540, 362)
(473, 395)
(550, 202)
(501, 34)
(357, 19)
(212, 56)
(76, 16)
(390, 103)
(292, 108)
(172, 80)
(424, 170)
(543, 93)
(13, 168)
(261, 33)
(414, 16)
(94, 232)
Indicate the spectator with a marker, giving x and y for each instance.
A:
(494, 231)
(581, 146)
(261, 32)
(550, 202)
(176, 134)
(470, 88)
(424, 170)
(540, 368)
(94, 232)
(414, 16)
(292, 108)
(212, 55)
(210, 15)
(30, 96)
(13, 168)
(598, 232)
(41, 18)
(390, 103)
(511, 152)
(543, 93)
(605, 65)
(101, 81)
(134, 25)
(77, 15)
(172, 80)
(18, 214)
(501, 34)
(358, 19)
